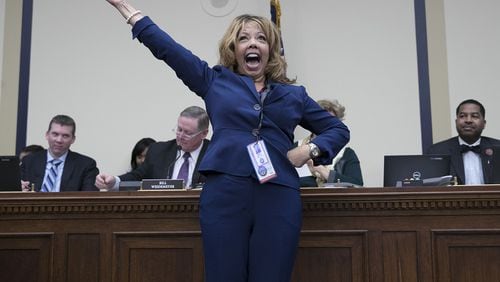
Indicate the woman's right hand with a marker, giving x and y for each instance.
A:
(114, 2)
(131, 14)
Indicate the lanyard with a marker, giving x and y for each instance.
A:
(263, 94)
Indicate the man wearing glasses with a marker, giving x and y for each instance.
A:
(174, 159)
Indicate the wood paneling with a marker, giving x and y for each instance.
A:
(83, 257)
(26, 257)
(399, 253)
(445, 234)
(467, 255)
(156, 256)
(330, 255)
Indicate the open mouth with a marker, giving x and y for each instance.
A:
(252, 59)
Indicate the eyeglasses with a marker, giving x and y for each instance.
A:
(181, 133)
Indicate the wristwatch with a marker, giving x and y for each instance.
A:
(313, 151)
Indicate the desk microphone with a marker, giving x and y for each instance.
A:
(170, 166)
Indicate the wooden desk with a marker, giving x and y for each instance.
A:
(369, 234)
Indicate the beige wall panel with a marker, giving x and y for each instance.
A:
(361, 52)
(473, 41)
(9, 74)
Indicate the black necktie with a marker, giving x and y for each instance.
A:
(466, 148)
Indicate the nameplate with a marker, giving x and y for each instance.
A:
(412, 182)
(162, 184)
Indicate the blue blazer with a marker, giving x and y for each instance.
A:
(234, 108)
(79, 171)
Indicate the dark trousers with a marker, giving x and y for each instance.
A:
(250, 230)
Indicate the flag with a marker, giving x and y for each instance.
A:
(276, 13)
(276, 19)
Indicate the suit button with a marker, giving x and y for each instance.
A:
(256, 107)
(255, 132)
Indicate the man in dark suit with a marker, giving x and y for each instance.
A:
(166, 159)
(470, 153)
(59, 169)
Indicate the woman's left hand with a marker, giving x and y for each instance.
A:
(298, 156)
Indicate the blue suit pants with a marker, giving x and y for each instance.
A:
(250, 230)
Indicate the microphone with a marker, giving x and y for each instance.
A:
(170, 169)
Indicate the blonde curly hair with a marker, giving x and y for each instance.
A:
(276, 66)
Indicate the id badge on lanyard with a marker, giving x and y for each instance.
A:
(258, 151)
(261, 161)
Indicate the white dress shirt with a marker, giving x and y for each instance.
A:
(473, 167)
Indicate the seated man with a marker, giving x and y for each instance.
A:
(177, 158)
(470, 153)
(59, 169)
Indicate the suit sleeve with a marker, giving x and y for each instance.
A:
(135, 175)
(331, 133)
(89, 174)
(348, 169)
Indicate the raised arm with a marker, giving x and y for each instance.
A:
(129, 13)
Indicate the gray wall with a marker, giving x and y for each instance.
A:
(361, 52)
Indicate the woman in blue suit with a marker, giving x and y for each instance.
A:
(250, 205)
